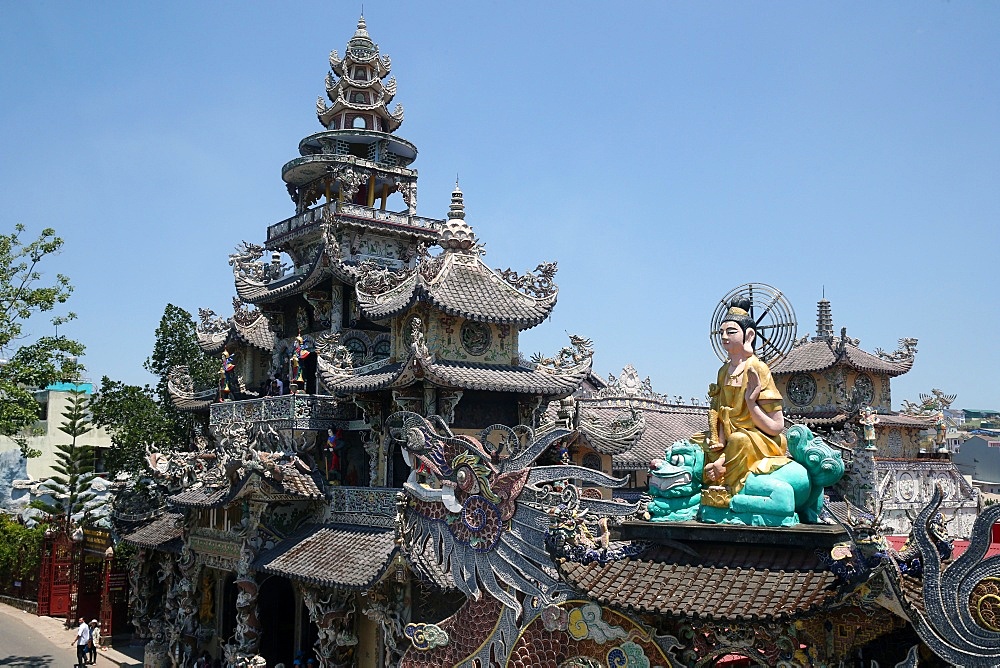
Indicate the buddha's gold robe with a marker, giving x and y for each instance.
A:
(748, 449)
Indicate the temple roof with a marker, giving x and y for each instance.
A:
(250, 328)
(459, 283)
(826, 350)
(725, 582)
(635, 429)
(254, 287)
(280, 476)
(818, 355)
(463, 375)
(332, 556)
(163, 533)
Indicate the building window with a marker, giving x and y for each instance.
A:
(864, 389)
(359, 97)
(380, 350)
(358, 349)
(801, 389)
(359, 123)
(592, 461)
(360, 74)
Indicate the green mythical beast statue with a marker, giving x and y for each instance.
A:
(783, 497)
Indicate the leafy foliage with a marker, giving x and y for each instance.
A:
(177, 345)
(137, 417)
(20, 556)
(28, 367)
(71, 487)
(134, 420)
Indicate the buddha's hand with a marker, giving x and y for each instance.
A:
(716, 470)
(753, 386)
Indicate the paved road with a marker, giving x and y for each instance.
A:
(27, 641)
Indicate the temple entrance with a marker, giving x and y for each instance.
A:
(309, 633)
(228, 613)
(276, 611)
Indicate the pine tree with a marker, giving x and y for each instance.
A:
(71, 487)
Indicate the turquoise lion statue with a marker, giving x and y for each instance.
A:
(786, 496)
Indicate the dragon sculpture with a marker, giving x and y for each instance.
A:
(481, 509)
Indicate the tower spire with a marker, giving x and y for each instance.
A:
(824, 320)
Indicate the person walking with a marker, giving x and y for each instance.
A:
(95, 640)
(82, 640)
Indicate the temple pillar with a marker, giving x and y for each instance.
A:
(332, 611)
(371, 409)
(385, 195)
(241, 652)
(140, 592)
(156, 653)
(184, 624)
(371, 190)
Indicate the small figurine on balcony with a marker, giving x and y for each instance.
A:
(228, 382)
(334, 444)
(295, 363)
(868, 419)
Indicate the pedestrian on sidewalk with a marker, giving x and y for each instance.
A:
(82, 640)
(95, 639)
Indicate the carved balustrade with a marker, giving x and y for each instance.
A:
(289, 411)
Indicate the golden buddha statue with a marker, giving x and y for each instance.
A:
(745, 419)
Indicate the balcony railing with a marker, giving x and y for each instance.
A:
(289, 411)
(367, 506)
(315, 216)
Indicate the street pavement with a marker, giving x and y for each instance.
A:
(29, 641)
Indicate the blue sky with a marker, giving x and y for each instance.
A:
(663, 153)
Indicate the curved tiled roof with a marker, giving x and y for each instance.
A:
(463, 285)
(199, 403)
(255, 292)
(198, 496)
(254, 329)
(376, 379)
(463, 375)
(331, 556)
(726, 582)
(821, 354)
(249, 328)
(163, 533)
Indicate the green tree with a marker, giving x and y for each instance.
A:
(25, 367)
(20, 556)
(134, 420)
(177, 345)
(137, 417)
(72, 486)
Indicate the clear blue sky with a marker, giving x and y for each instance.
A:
(663, 153)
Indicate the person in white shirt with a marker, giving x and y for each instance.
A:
(95, 638)
(82, 640)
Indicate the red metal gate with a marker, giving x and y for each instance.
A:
(56, 579)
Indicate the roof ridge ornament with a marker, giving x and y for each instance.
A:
(457, 235)
(539, 283)
(581, 352)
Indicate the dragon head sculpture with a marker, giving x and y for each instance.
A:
(483, 509)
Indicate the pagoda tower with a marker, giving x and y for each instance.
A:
(356, 159)
(301, 278)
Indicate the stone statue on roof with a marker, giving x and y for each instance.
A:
(744, 469)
